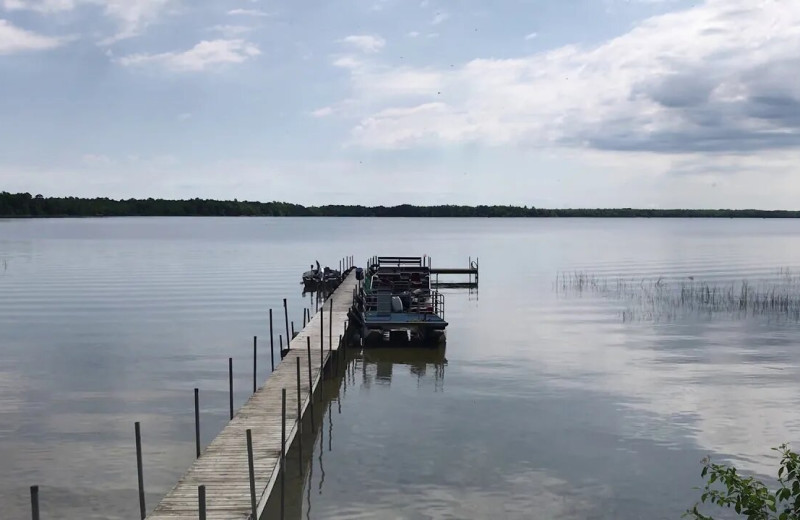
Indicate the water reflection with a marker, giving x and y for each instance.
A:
(544, 394)
(362, 370)
(379, 364)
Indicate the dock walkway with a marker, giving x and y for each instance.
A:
(223, 467)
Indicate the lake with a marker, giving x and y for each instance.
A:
(544, 404)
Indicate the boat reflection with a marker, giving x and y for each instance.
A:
(379, 364)
(307, 474)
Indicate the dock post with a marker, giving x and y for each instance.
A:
(283, 452)
(280, 344)
(255, 365)
(35, 502)
(252, 474)
(271, 343)
(310, 382)
(138, 433)
(287, 346)
(197, 421)
(286, 317)
(321, 339)
(201, 501)
(299, 420)
(330, 326)
(230, 386)
(305, 322)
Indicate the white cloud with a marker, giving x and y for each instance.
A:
(41, 6)
(531, 36)
(322, 112)
(14, 39)
(412, 34)
(439, 17)
(96, 159)
(247, 12)
(365, 42)
(202, 56)
(676, 83)
(131, 16)
(231, 31)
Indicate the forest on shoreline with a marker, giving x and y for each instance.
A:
(21, 205)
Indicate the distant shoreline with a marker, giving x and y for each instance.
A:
(23, 205)
(541, 217)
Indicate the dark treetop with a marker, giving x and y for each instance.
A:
(26, 205)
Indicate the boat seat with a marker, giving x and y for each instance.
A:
(385, 303)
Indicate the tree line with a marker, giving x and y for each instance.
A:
(27, 205)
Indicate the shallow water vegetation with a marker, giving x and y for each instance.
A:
(749, 497)
(669, 299)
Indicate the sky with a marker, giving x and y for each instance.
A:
(546, 103)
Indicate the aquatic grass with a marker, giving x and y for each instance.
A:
(670, 298)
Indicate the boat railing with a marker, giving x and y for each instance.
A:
(431, 304)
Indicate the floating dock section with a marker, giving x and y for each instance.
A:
(222, 472)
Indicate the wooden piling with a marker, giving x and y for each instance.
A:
(197, 421)
(201, 501)
(230, 387)
(271, 343)
(286, 317)
(283, 453)
(35, 502)
(251, 467)
(299, 420)
(140, 476)
(255, 365)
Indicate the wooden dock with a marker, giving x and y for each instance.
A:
(223, 467)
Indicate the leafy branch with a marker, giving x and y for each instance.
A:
(749, 497)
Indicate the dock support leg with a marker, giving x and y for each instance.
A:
(197, 421)
(250, 464)
(321, 340)
(283, 453)
(280, 344)
(255, 365)
(201, 501)
(271, 343)
(292, 333)
(35, 502)
(286, 317)
(299, 420)
(230, 386)
(138, 433)
(310, 383)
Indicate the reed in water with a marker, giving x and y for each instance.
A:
(670, 298)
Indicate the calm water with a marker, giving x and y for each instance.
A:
(541, 406)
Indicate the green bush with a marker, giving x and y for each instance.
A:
(749, 497)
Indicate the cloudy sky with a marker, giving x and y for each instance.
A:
(552, 103)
